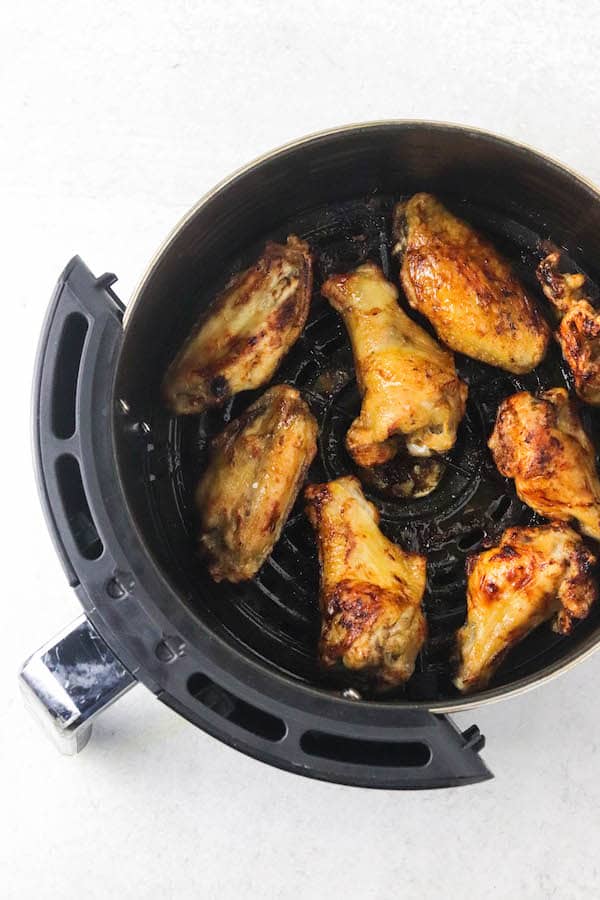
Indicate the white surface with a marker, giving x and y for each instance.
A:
(113, 120)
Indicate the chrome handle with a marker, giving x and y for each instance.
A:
(71, 680)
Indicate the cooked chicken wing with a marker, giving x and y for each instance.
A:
(371, 589)
(248, 329)
(579, 331)
(534, 574)
(540, 442)
(411, 393)
(257, 467)
(469, 293)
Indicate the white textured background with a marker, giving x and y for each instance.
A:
(114, 119)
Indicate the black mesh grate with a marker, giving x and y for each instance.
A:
(276, 616)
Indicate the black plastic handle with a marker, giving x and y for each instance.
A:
(72, 445)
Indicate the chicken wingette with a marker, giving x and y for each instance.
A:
(579, 330)
(371, 589)
(540, 442)
(257, 467)
(246, 332)
(534, 574)
(469, 293)
(411, 395)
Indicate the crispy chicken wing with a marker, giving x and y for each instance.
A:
(534, 574)
(257, 467)
(248, 329)
(469, 293)
(540, 442)
(411, 392)
(371, 589)
(579, 331)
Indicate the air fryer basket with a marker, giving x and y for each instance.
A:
(276, 615)
(190, 639)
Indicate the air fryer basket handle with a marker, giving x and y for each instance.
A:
(76, 675)
(69, 681)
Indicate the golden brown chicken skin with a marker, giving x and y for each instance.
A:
(257, 467)
(579, 331)
(540, 442)
(411, 394)
(247, 331)
(469, 293)
(371, 589)
(534, 574)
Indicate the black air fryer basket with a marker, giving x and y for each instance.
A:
(117, 472)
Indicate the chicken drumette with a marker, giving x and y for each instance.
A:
(246, 332)
(411, 394)
(579, 331)
(371, 589)
(469, 293)
(257, 467)
(540, 442)
(531, 576)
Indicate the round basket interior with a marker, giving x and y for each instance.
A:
(337, 191)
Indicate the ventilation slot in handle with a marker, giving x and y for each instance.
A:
(76, 507)
(243, 714)
(413, 754)
(64, 390)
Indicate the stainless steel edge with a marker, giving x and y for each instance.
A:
(69, 681)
